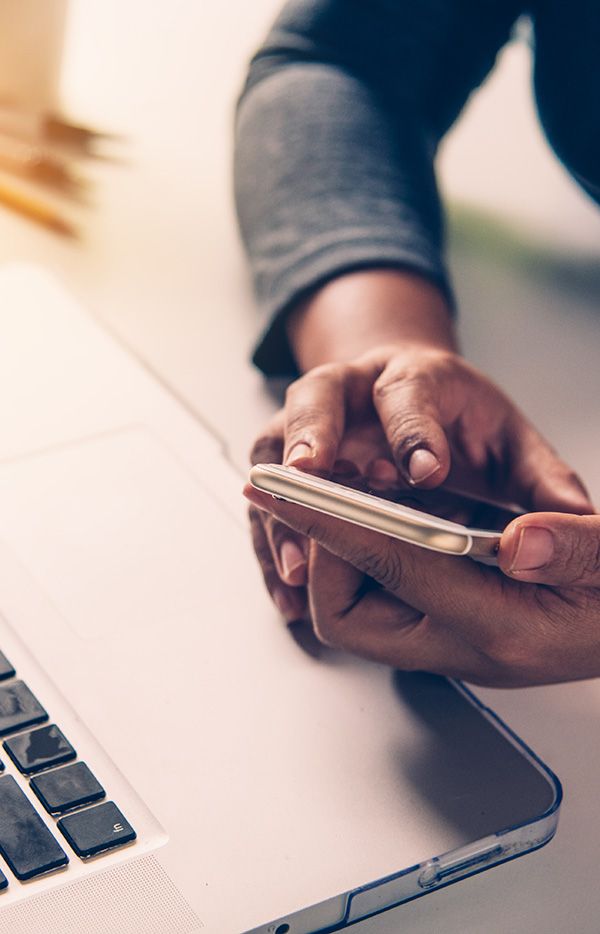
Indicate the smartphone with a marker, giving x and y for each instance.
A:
(427, 518)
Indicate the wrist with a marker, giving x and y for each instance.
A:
(359, 311)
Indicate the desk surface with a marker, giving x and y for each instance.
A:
(159, 263)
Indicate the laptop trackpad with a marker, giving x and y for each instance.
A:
(114, 530)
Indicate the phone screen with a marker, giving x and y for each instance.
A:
(444, 503)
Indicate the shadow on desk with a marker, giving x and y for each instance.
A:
(461, 765)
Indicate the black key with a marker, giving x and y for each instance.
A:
(96, 829)
(64, 789)
(3, 881)
(1, 766)
(39, 749)
(25, 842)
(6, 669)
(19, 708)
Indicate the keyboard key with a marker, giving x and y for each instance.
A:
(6, 669)
(25, 842)
(19, 708)
(39, 749)
(3, 881)
(96, 829)
(64, 789)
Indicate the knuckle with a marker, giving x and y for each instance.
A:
(312, 530)
(384, 565)
(385, 385)
(583, 553)
(329, 630)
(511, 652)
(423, 365)
(571, 554)
(303, 421)
(333, 373)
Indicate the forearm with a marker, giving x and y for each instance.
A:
(352, 193)
(336, 135)
(362, 310)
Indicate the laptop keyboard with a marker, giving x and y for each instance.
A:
(65, 787)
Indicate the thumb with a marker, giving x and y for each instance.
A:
(552, 548)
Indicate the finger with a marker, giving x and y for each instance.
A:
(289, 551)
(376, 625)
(290, 601)
(552, 548)
(316, 408)
(459, 589)
(540, 480)
(382, 474)
(407, 404)
(314, 419)
(268, 447)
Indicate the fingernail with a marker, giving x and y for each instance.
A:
(422, 464)
(292, 558)
(299, 452)
(535, 548)
(283, 604)
(383, 470)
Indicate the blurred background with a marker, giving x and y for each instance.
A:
(156, 254)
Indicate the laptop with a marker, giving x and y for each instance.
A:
(172, 761)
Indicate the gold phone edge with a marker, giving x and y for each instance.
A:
(375, 516)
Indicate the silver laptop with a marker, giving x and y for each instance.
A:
(172, 761)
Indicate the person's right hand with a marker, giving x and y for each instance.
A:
(432, 418)
(404, 606)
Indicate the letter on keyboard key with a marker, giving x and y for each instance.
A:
(64, 789)
(19, 708)
(6, 669)
(25, 842)
(96, 829)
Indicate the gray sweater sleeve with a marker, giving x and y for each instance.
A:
(336, 134)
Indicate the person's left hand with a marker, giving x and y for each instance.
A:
(418, 610)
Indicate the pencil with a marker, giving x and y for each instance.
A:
(36, 209)
(31, 161)
(50, 128)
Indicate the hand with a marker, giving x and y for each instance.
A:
(442, 419)
(550, 548)
(408, 412)
(414, 609)
(362, 463)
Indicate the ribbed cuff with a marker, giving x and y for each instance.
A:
(273, 354)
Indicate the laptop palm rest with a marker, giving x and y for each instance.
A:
(114, 530)
(327, 774)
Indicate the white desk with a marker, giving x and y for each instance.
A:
(160, 264)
